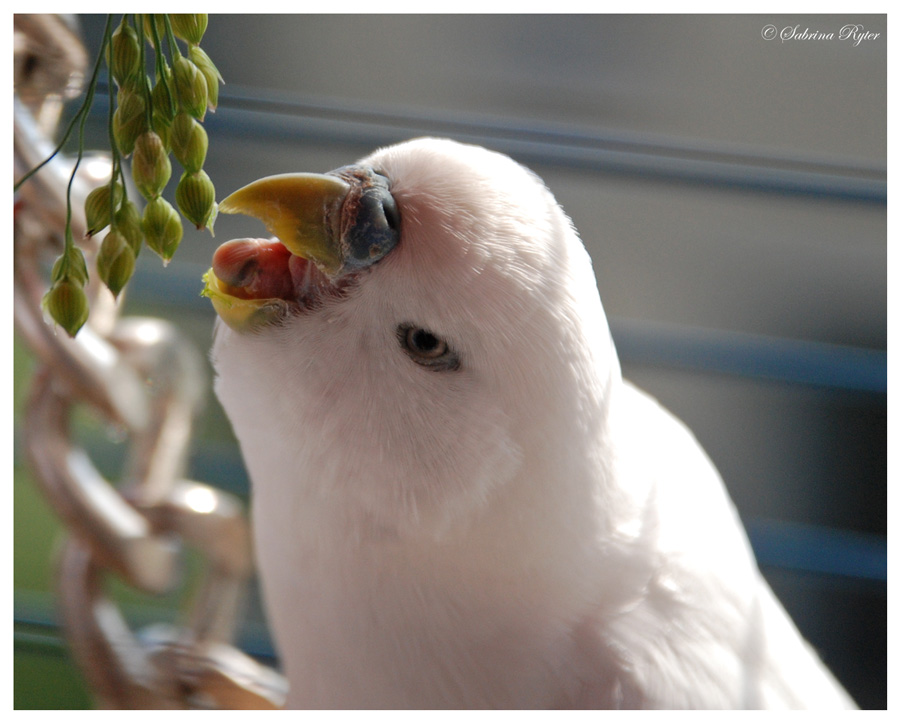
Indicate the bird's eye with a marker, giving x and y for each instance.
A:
(426, 348)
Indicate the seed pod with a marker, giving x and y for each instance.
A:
(162, 96)
(115, 261)
(163, 129)
(210, 74)
(162, 228)
(136, 83)
(128, 223)
(160, 23)
(67, 304)
(189, 26)
(150, 167)
(100, 206)
(190, 87)
(70, 266)
(129, 121)
(124, 53)
(189, 142)
(196, 196)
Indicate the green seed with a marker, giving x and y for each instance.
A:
(189, 142)
(70, 266)
(196, 196)
(210, 74)
(160, 23)
(190, 87)
(129, 121)
(124, 53)
(162, 228)
(100, 206)
(163, 128)
(115, 261)
(128, 223)
(67, 305)
(189, 26)
(162, 97)
(150, 167)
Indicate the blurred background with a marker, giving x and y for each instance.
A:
(731, 190)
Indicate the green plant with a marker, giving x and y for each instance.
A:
(147, 121)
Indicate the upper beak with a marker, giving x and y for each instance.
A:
(303, 210)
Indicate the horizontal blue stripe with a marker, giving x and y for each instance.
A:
(808, 548)
(278, 116)
(753, 356)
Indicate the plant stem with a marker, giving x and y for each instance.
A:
(145, 86)
(112, 139)
(82, 111)
(88, 101)
(170, 35)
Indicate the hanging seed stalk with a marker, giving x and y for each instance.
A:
(145, 120)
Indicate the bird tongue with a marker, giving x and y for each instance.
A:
(265, 269)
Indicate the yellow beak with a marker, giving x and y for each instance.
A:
(341, 226)
(301, 209)
(239, 313)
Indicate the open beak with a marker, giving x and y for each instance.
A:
(332, 225)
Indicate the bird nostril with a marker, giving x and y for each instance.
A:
(389, 207)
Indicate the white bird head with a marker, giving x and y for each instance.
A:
(426, 326)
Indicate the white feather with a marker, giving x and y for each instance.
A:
(526, 531)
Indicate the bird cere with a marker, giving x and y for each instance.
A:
(458, 502)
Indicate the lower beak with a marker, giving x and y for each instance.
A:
(237, 312)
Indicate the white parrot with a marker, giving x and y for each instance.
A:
(457, 500)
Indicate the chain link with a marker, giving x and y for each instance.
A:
(142, 376)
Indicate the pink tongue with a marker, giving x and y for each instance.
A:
(255, 269)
